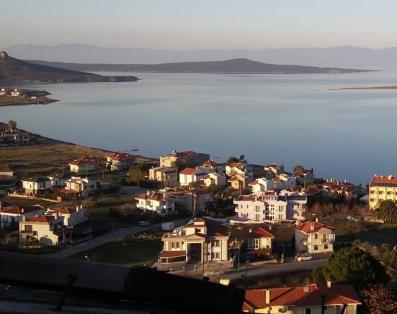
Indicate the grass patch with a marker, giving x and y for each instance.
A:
(286, 280)
(133, 252)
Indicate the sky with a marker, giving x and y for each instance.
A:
(205, 24)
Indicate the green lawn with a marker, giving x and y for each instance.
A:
(376, 234)
(133, 252)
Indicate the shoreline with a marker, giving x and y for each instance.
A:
(45, 101)
(392, 87)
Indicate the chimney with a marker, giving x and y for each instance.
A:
(311, 227)
(77, 208)
(316, 219)
(147, 192)
(267, 296)
(306, 289)
(329, 284)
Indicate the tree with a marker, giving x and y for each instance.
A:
(387, 211)
(232, 160)
(12, 125)
(351, 265)
(136, 174)
(378, 299)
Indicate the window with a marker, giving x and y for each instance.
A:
(316, 236)
(308, 311)
(325, 246)
(216, 243)
(315, 247)
(28, 228)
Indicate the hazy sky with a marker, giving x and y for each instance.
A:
(186, 24)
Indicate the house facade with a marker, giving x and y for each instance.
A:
(309, 299)
(189, 176)
(12, 214)
(382, 188)
(314, 237)
(43, 230)
(168, 176)
(214, 179)
(80, 186)
(158, 202)
(84, 165)
(199, 241)
(279, 182)
(38, 185)
(119, 161)
(71, 216)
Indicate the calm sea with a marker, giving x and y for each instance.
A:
(290, 119)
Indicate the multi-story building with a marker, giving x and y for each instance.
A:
(314, 237)
(186, 159)
(382, 188)
(271, 206)
(168, 176)
(37, 185)
(119, 161)
(309, 299)
(201, 240)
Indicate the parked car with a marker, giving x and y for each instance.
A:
(304, 257)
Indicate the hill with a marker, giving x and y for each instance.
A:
(15, 71)
(340, 56)
(233, 66)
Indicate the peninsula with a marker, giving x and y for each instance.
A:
(19, 97)
(233, 66)
(15, 71)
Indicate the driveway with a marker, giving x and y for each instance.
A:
(110, 236)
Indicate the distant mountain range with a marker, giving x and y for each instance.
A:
(15, 71)
(342, 56)
(234, 66)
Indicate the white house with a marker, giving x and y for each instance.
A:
(279, 182)
(201, 240)
(13, 214)
(214, 179)
(314, 237)
(119, 161)
(43, 230)
(192, 175)
(38, 185)
(71, 216)
(84, 165)
(80, 186)
(158, 202)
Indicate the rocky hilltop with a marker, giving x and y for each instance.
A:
(15, 71)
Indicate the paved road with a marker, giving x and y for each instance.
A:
(109, 237)
(276, 269)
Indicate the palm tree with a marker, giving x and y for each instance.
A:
(387, 211)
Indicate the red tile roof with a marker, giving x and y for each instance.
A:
(263, 233)
(18, 210)
(42, 218)
(85, 160)
(312, 226)
(310, 295)
(65, 210)
(210, 163)
(120, 156)
(381, 180)
(188, 171)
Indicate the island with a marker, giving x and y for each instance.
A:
(14, 71)
(233, 66)
(369, 87)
